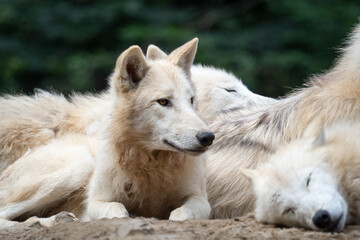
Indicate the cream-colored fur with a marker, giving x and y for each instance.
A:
(220, 92)
(311, 175)
(135, 149)
(246, 138)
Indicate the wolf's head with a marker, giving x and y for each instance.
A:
(297, 187)
(155, 98)
(220, 92)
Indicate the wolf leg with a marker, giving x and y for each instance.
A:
(47, 222)
(196, 207)
(101, 202)
(104, 187)
(100, 209)
(55, 219)
(48, 175)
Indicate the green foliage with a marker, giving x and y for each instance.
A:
(73, 45)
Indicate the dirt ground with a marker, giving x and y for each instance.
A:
(141, 228)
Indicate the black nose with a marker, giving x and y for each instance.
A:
(322, 219)
(205, 138)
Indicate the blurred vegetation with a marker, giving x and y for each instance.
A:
(73, 45)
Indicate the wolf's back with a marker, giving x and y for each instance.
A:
(29, 121)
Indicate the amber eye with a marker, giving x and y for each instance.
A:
(192, 100)
(164, 102)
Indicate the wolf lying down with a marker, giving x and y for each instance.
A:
(135, 149)
(312, 182)
(247, 138)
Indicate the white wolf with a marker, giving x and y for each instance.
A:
(135, 149)
(312, 182)
(244, 139)
(220, 92)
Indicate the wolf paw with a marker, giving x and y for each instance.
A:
(65, 217)
(180, 214)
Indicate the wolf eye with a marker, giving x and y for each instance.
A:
(308, 180)
(164, 102)
(192, 100)
(289, 210)
(230, 90)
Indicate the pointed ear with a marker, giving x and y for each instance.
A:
(184, 55)
(320, 139)
(250, 174)
(153, 53)
(312, 129)
(131, 68)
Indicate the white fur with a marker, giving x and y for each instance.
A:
(245, 139)
(109, 155)
(219, 92)
(308, 175)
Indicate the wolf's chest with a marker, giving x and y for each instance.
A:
(152, 198)
(153, 187)
(154, 206)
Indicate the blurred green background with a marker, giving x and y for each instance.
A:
(273, 45)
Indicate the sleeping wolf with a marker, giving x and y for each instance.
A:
(246, 138)
(219, 92)
(312, 182)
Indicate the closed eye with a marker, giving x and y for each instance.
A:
(289, 210)
(308, 179)
(231, 90)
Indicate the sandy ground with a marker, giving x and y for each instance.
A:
(141, 228)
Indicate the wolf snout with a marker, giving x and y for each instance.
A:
(205, 138)
(323, 220)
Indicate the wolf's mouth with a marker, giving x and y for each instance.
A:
(192, 151)
(335, 226)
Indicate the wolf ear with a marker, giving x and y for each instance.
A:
(250, 174)
(131, 68)
(153, 53)
(184, 55)
(316, 128)
(320, 139)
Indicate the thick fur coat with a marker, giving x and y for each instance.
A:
(136, 149)
(312, 182)
(219, 92)
(245, 138)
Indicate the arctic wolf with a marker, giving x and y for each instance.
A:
(312, 182)
(245, 139)
(220, 92)
(136, 149)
